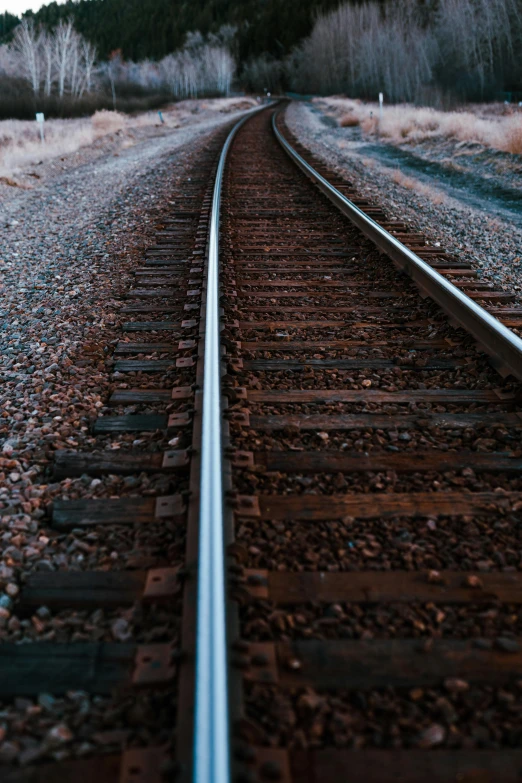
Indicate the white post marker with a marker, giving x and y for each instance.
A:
(381, 101)
(40, 120)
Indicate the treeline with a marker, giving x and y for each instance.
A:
(456, 50)
(145, 29)
(82, 55)
(57, 71)
(58, 60)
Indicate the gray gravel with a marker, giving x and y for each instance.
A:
(491, 244)
(69, 248)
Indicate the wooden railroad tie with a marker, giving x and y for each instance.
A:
(376, 587)
(96, 668)
(92, 589)
(101, 463)
(365, 664)
(67, 514)
(360, 462)
(314, 508)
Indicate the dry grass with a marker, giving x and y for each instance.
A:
(514, 137)
(20, 145)
(434, 195)
(500, 129)
(404, 181)
(105, 122)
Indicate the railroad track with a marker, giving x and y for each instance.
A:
(334, 476)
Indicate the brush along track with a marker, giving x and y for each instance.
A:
(377, 495)
(98, 686)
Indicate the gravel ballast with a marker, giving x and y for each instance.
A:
(70, 247)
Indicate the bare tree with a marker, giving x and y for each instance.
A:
(475, 35)
(60, 59)
(88, 59)
(218, 69)
(363, 50)
(263, 73)
(62, 39)
(74, 75)
(115, 71)
(199, 68)
(27, 51)
(405, 48)
(47, 55)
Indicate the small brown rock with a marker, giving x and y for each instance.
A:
(59, 735)
(434, 735)
(473, 581)
(506, 644)
(454, 685)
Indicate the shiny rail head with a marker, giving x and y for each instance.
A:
(500, 343)
(211, 760)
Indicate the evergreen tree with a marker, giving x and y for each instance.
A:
(154, 28)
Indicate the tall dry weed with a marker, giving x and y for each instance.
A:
(437, 197)
(105, 122)
(410, 124)
(20, 143)
(513, 135)
(349, 121)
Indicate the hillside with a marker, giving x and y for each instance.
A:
(153, 28)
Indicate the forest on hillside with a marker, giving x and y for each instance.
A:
(82, 55)
(154, 28)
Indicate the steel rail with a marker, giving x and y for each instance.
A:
(502, 345)
(211, 759)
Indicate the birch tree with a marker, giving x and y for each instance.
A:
(197, 69)
(62, 45)
(88, 60)
(26, 47)
(47, 55)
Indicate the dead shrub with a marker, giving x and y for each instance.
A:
(105, 122)
(404, 123)
(349, 121)
(513, 141)
(10, 182)
(404, 181)
(369, 124)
